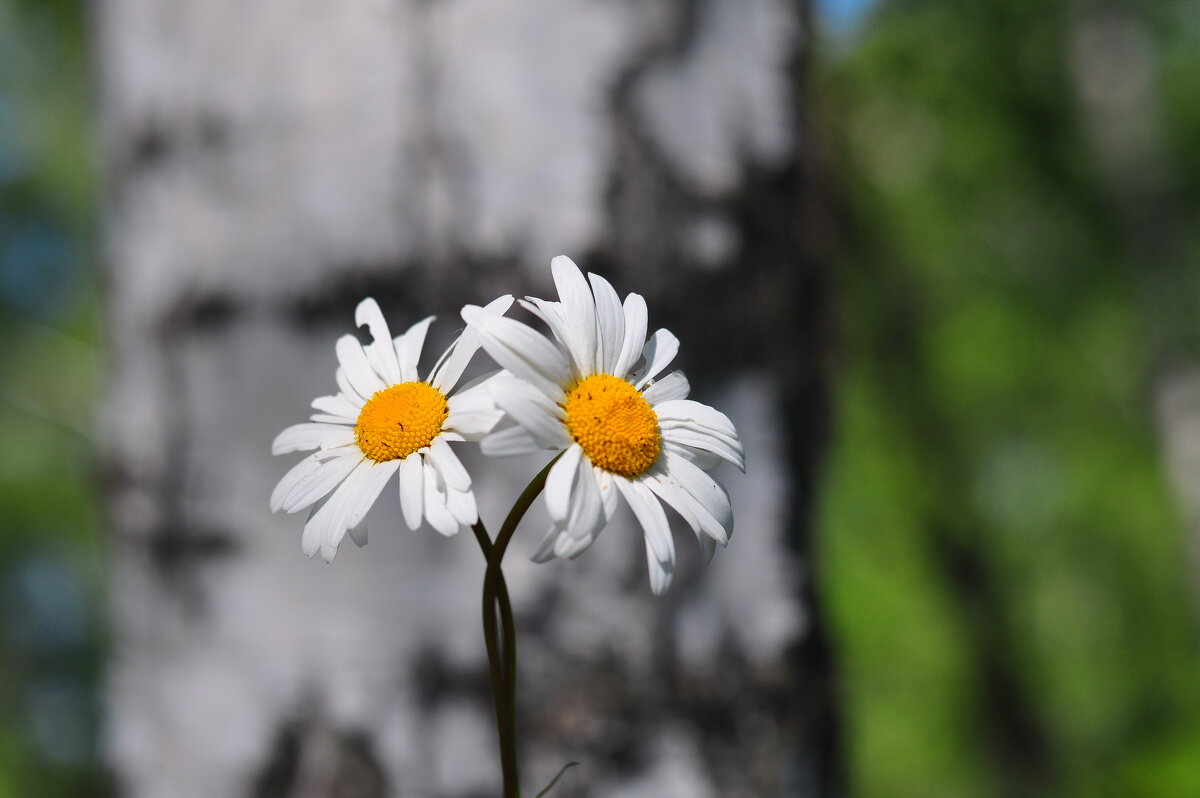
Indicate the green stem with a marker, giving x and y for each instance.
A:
(499, 680)
(509, 636)
(494, 591)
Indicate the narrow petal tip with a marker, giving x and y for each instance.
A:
(560, 262)
(500, 305)
(366, 312)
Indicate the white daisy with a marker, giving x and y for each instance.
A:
(386, 420)
(620, 429)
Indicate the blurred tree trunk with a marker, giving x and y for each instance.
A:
(272, 163)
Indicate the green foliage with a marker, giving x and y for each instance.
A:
(1001, 556)
(50, 557)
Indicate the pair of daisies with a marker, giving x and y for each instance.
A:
(592, 392)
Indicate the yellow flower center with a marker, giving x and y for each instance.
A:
(614, 424)
(400, 419)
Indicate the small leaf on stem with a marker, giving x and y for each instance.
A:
(554, 780)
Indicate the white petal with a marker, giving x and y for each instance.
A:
(310, 541)
(579, 311)
(477, 386)
(708, 547)
(650, 515)
(303, 469)
(452, 364)
(705, 441)
(697, 516)
(318, 483)
(347, 389)
(412, 489)
(673, 386)
(328, 524)
(660, 572)
(559, 482)
(636, 320)
(529, 407)
(509, 442)
(472, 426)
(544, 552)
(608, 490)
(435, 507)
(660, 350)
(344, 438)
(552, 314)
(338, 405)
(568, 547)
(699, 415)
(610, 324)
(447, 373)
(674, 424)
(698, 425)
(476, 400)
(358, 534)
(380, 352)
(408, 348)
(461, 504)
(335, 526)
(676, 497)
(472, 414)
(585, 516)
(706, 461)
(448, 465)
(354, 360)
(521, 350)
(326, 418)
(302, 437)
(500, 305)
(372, 485)
(708, 493)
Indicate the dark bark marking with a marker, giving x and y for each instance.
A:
(359, 773)
(155, 142)
(277, 778)
(776, 294)
(171, 551)
(436, 681)
(149, 147)
(353, 770)
(199, 314)
(400, 287)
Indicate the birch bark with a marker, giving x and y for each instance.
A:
(270, 164)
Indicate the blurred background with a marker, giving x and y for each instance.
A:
(1005, 549)
(52, 555)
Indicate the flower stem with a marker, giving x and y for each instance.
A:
(499, 679)
(495, 596)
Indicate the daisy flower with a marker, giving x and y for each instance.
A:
(386, 420)
(593, 392)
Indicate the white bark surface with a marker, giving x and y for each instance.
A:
(270, 163)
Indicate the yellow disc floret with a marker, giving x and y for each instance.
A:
(614, 424)
(400, 419)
